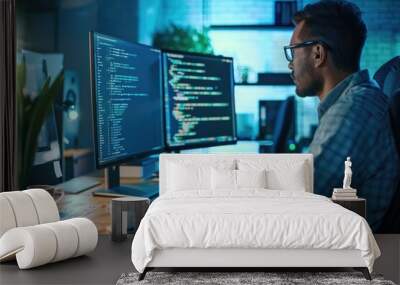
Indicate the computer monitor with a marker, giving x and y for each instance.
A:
(199, 100)
(127, 105)
(268, 111)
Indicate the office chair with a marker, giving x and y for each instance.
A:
(388, 78)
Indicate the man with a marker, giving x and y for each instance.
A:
(324, 56)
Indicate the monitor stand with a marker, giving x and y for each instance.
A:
(114, 189)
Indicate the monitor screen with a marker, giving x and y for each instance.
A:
(199, 100)
(127, 99)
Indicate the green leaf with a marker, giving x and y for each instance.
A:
(35, 112)
(183, 39)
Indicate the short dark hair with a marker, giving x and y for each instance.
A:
(339, 24)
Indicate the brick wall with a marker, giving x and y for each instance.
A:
(233, 12)
(184, 13)
(381, 16)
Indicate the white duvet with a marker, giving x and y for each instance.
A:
(250, 219)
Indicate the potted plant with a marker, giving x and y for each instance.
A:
(183, 39)
(31, 115)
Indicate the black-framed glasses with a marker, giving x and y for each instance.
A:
(289, 54)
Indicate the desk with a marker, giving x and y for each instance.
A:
(239, 147)
(95, 208)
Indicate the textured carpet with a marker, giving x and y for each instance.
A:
(229, 278)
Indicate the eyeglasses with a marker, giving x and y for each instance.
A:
(289, 54)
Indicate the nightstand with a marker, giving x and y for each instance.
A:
(357, 205)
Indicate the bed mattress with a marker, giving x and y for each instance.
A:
(250, 219)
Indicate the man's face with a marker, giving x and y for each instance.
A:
(305, 76)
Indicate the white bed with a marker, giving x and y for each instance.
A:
(198, 223)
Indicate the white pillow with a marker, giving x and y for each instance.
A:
(281, 174)
(186, 174)
(183, 178)
(291, 179)
(223, 179)
(226, 179)
(251, 178)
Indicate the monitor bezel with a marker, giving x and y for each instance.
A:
(132, 156)
(201, 144)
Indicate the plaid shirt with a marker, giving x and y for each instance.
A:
(354, 121)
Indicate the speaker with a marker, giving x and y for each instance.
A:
(126, 214)
(71, 109)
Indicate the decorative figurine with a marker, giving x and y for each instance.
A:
(347, 192)
(347, 174)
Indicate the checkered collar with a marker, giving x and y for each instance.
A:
(350, 81)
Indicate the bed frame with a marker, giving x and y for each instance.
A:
(245, 258)
(242, 259)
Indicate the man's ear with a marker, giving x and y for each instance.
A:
(320, 55)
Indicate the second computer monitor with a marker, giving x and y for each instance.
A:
(199, 100)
